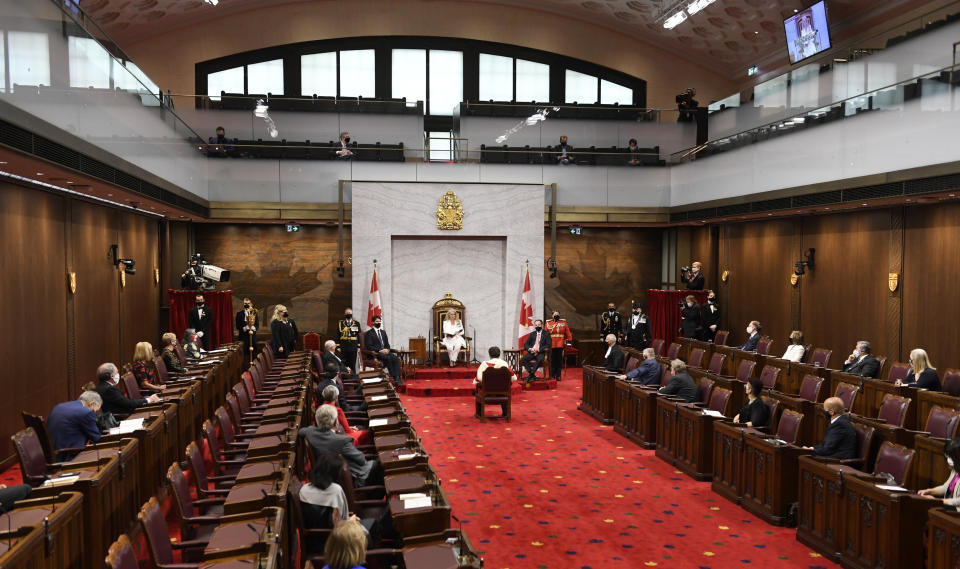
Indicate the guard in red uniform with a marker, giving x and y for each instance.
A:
(559, 336)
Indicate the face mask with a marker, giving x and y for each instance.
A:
(611, 310)
(637, 312)
(711, 299)
(538, 328)
(556, 318)
(376, 324)
(348, 316)
(246, 305)
(689, 305)
(347, 140)
(199, 303)
(285, 314)
(856, 353)
(950, 462)
(115, 378)
(749, 330)
(827, 414)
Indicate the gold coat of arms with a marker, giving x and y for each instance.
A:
(892, 281)
(450, 212)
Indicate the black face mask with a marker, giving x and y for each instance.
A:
(711, 300)
(376, 324)
(538, 328)
(827, 415)
(199, 303)
(285, 314)
(556, 317)
(347, 140)
(246, 305)
(348, 316)
(612, 310)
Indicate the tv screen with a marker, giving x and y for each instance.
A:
(807, 33)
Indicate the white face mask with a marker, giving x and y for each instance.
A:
(950, 462)
(115, 378)
(749, 330)
(856, 353)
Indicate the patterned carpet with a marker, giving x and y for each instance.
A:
(554, 489)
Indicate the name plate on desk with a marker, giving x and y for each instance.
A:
(421, 502)
(712, 413)
(377, 422)
(371, 380)
(379, 398)
(62, 481)
(407, 456)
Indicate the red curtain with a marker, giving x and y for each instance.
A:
(219, 301)
(663, 307)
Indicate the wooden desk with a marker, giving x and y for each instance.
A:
(261, 532)
(821, 505)
(635, 412)
(265, 468)
(873, 392)
(728, 365)
(694, 441)
(770, 478)
(728, 460)
(927, 400)
(401, 437)
(256, 495)
(158, 448)
(943, 538)
(597, 394)
(400, 459)
(433, 551)
(797, 371)
(591, 351)
(417, 478)
(666, 429)
(421, 521)
(624, 415)
(806, 435)
(930, 467)
(836, 377)
(785, 381)
(62, 532)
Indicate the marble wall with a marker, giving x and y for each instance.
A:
(417, 263)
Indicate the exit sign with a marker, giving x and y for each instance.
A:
(293, 228)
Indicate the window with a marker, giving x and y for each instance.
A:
(533, 81)
(29, 58)
(496, 78)
(441, 147)
(226, 81)
(611, 93)
(135, 72)
(318, 74)
(446, 81)
(805, 86)
(409, 71)
(357, 73)
(89, 63)
(580, 88)
(265, 77)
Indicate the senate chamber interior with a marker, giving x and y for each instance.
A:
(435, 284)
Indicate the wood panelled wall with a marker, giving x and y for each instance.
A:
(846, 297)
(54, 340)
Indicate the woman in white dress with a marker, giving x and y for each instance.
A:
(453, 336)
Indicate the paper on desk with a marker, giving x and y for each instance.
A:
(424, 502)
(369, 380)
(412, 496)
(892, 488)
(712, 413)
(63, 480)
(377, 422)
(127, 426)
(378, 397)
(406, 456)
(218, 351)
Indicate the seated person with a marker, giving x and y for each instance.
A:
(613, 359)
(840, 441)
(494, 362)
(73, 423)
(169, 353)
(633, 152)
(344, 153)
(681, 384)
(143, 370)
(190, 345)
(453, 339)
(114, 401)
(949, 491)
(346, 547)
(322, 439)
(360, 437)
(11, 494)
(861, 362)
(753, 333)
(795, 350)
(648, 372)
(755, 412)
(922, 375)
(323, 501)
(535, 350)
(376, 340)
(219, 144)
(564, 150)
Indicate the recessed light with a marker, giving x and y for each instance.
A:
(863, 204)
(3, 162)
(109, 195)
(756, 33)
(39, 173)
(69, 183)
(953, 195)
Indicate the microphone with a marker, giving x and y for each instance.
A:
(459, 535)
(96, 447)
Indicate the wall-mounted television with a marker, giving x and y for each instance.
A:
(807, 32)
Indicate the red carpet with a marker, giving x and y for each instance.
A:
(456, 382)
(554, 489)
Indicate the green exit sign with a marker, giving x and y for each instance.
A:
(293, 228)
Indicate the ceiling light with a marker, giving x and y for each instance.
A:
(675, 20)
(39, 173)
(211, 2)
(697, 5)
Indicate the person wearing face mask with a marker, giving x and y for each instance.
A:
(755, 413)
(349, 336)
(693, 277)
(681, 384)
(114, 401)
(949, 491)
(861, 362)
(200, 319)
(560, 334)
(710, 317)
(840, 440)
(242, 322)
(283, 331)
(795, 350)
(690, 325)
(376, 340)
(613, 359)
(189, 343)
(610, 322)
(534, 350)
(564, 152)
(72, 424)
(344, 153)
(638, 329)
(753, 336)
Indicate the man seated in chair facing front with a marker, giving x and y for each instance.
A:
(453, 336)
(376, 340)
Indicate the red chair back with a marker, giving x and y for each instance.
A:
(789, 426)
(720, 400)
(311, 341)
(810, 388)
(657, 345)
(847, 393)
(773, 406)
(893, 409)
(763, 345)
(632, 364)
(154, 527)
(234, 408)
(703, 389)
(39, 426)
(768, 376)
(243, 400)
(821, 357)
(181, 354)
(696, 357)
(130, 386)
(33, 466)
(951, 382)
(163, 374)
(213, 443)
(942, 422)
(898, 372)
(496, 380)
(745, 370)
(223, 421)
(716, 363)
(720, 339)
(198, 468)
(895, 460)
(864, 440)
(664, 374)
(180, 489)
(673, 351)
(121, 555)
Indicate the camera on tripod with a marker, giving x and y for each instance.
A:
(201, 275)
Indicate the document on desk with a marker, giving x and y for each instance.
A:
(127, 426)
(891, 488)
(424, 502)
(407, 456)
(61, 481)
(378, 397)
(377, 422)
(370, 380)
(412, 496)
(712, 413)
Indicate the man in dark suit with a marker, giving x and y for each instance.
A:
(322, 439)
(332, 366)
(244, 329)
(638, 329)
(648, 372)
(710, 316)
(114, 401)
(535, 350)
(753, 333)
(376, 340)
(200, 319)
(840, 440)
(73, 423)
(861, 362)
(681, 384)
(613, 359)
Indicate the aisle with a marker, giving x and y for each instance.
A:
(554, 489)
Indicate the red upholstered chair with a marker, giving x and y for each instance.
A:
(773, 406)
(721, 337)
(364, 501)
(696, 357)
(368, 358)
(864, 440)
(704, 388)
(720, 400)
(768, 376)
(39, 426)
(34, 467)
(494, 389)
(632, 364)
(882, 360)
(942, 422)
(810, 388)
(789, 426)
(673, 351)
(311, 341)
(197, 517)
(898, 372)
(893, 409)
(895, 460)
(763, 345)
(121, 555)
(198, 469)
(821, 357)
(225, 462)
(745, 370)
(716, 363)
(847, 392)
(951, 382)
(154, 528)
(657, 345)
(664, 374)
(807, 353)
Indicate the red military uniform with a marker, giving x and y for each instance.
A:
(559, 335)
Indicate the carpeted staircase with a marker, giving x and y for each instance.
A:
(458, 381)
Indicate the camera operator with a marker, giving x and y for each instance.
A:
(692, 276)
(690, 325)
(687, 105)
(192, 278)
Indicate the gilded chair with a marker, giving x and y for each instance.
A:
(438, 315)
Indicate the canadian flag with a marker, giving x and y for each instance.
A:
(526, 311)
(373, 307)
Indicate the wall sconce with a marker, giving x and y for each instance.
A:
(552, 266)
(800, 267)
